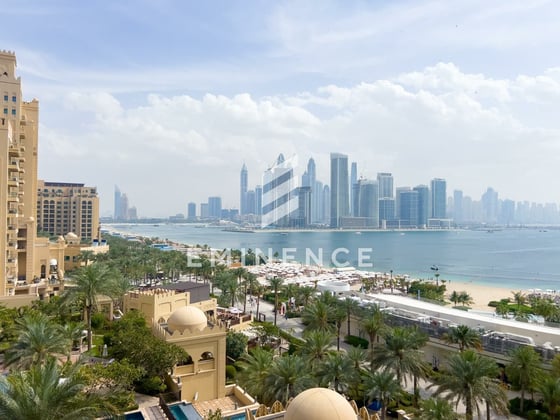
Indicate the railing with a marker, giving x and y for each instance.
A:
(490, 343)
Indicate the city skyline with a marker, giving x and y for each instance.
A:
(417, 89)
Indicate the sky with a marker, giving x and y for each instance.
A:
(167, 99)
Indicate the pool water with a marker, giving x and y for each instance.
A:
(184, 411)
(137, 415)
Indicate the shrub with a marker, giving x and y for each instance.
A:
(151, 385)
(230, 372)
(356, 341)
(98, 320)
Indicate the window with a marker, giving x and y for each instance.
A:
(13, 111)
(14, 98)
(5, 97)
(6, 111)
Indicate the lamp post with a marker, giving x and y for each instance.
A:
(391, 271)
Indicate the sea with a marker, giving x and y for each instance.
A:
(515, 258)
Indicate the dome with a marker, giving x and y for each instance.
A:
(187, 318)
(320, 404)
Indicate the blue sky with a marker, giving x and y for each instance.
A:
(167, 99)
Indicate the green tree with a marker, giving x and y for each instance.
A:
(317, 316)
(519, 298)
(524, 370)
(87, 284)
(502, 308)
(550, 392)
(383, 386)
(133, 340)
(276, 284)
(373, 324)
(401, 354)
(436, 409)
(236, 344)
(464, 336)
(465, 299)
(351, 307)
(316, 346)
(44, 392)
(255, 367)
(39, 339)
(470, 379)
(454, 297)
(336, 371)
(287, 377)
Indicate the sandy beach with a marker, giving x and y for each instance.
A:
(481, 294)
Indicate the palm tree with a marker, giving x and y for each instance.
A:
(454, 297)
(317, 316)
(465, 299)
(401, 354)
(258, 290)
(384, 386)
(469, 379)
(276, 284)
(373, 324)
(250, 280)
(351, 307)
(288, 376)
(316, 346)
(550, 391)
(436, 409)
(336, 371)
(524, 370)
(305, 294)
(255, 367)
(43, 393)
(86, 256)
(338, 315)
(464, 336)
(88, 283)
(502, 309)
(519, 298)
(39, 340)
(119, 288)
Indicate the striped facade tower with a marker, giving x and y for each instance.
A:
(279, 193)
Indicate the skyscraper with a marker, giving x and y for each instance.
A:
(385, 181)
(423, 205)
(279, 197)
(339, 188)
(191, 211)
(458, 206)
(215, 207)
(398, 192)
(490, 206)
(368, 202)
(408, 202)
(353, 182)
(258, 200)
(243, 190)
(438, 198)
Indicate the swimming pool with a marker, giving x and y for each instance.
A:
(136, 415)
(184, 411)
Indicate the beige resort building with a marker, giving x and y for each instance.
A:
(32, 267)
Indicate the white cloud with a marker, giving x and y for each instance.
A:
(419, 125)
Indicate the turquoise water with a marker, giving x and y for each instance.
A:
(183, 411)
(516, 258)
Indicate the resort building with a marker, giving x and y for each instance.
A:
(67, 207)
(29, 266)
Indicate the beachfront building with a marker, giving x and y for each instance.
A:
(29, 266)
(339, 189)
(279, 194)
(64, 207)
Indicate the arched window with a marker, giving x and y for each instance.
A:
(207, 355)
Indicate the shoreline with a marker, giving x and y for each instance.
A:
(481, 293)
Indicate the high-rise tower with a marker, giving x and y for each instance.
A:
(339, 188)
(25, 260)
(438, 198)
(353, 182)
(243, 186)
(279, 193)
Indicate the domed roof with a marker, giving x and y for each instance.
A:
(187, 318)
(320, 404)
